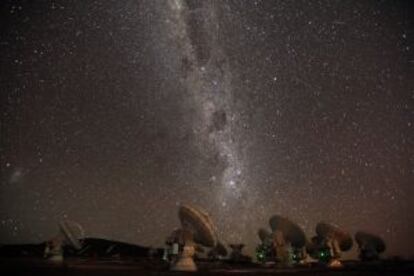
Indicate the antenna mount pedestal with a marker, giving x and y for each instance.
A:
(185, 260)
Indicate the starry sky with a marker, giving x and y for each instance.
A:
(115, 112)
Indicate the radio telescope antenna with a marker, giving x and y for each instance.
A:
(70, 234)
(288, 240)
(370, 246)
(329, 243)
(196, 228)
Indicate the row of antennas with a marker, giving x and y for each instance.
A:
(287, 244)
(284, 245)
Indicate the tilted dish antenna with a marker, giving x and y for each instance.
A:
(199, 229)
(292, 232)
(73, 233)
(70, 234)
(199, 224)
(370, 245)
(286, 232)
(343, 238)
(335, 239)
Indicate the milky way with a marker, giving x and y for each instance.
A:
(113, 113)
(208, 78)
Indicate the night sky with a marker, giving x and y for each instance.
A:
(115, 112)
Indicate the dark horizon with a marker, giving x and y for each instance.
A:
(113, 113)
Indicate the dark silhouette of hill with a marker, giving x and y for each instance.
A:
(91, 247)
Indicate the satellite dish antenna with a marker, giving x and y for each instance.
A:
(292, 233)
(332, 241)
(73, 233)
(199, 223)
(370, 246)
(343, 238)
(199, 229)
(70, 234)
(288, 240)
